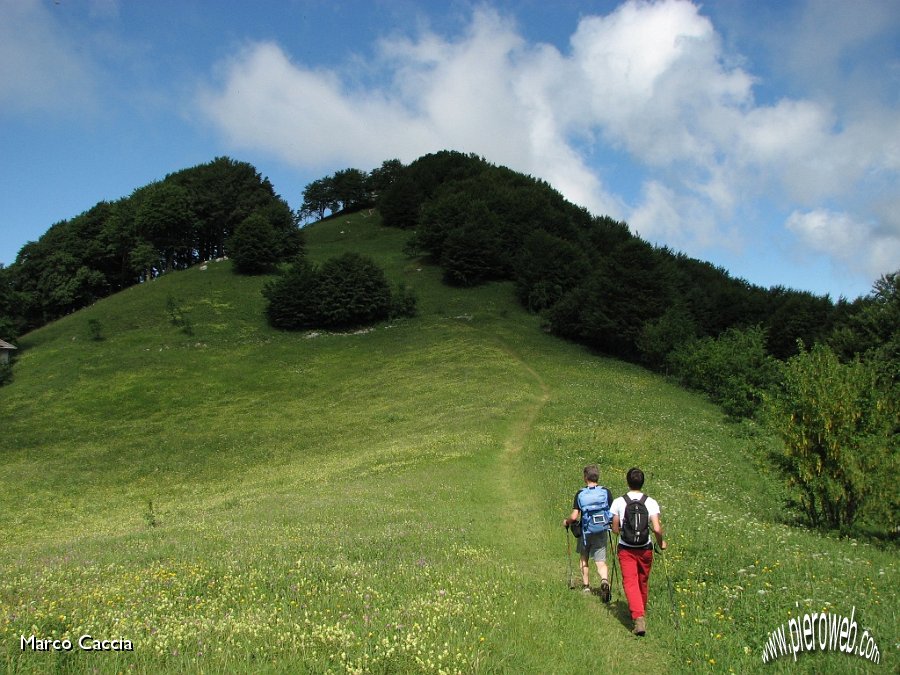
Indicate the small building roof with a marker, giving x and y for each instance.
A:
(6, 345)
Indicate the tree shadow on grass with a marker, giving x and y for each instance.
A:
(869, 530)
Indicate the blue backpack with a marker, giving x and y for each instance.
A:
(593, 502)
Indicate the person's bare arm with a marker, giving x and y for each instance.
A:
(616, 525)
(573, 518)
(658, 531)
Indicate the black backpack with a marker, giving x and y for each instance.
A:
(575, 529)
(635, 530)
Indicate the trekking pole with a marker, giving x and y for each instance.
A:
(669, 584)
(569, 557)
(613, 549)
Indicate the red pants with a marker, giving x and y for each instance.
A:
(635, 565)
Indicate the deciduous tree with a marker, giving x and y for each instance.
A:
(837, 426)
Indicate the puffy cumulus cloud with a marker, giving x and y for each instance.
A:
(655, 82)
(804, 151)
(658, 83)
(650, 80)
(465, 92)
(487, 92)
(658, 217)
(681, 220)
(42, 67)
(859, 245)
(305, 116)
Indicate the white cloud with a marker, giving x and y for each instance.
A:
(841, 237)
(302, 115)
(658, 217)
(655, 83)
(680, 220)
(650, 79)
(487, 92)
(41, 66)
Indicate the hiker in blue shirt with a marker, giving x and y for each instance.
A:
(590, 514)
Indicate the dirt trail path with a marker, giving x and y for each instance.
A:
(522, 427)
(515, 499)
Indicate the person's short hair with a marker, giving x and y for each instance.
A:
(592, 473)
(635, 478)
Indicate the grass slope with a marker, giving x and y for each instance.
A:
(244, 500)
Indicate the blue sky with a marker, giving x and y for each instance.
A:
(761, 136)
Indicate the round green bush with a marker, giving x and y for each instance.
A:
(352, 291)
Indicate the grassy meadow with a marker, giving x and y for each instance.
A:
(232, 498)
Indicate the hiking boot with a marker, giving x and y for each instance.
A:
(640, 626)
(586, 589)
(604, 591)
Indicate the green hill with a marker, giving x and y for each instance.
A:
(231, 498)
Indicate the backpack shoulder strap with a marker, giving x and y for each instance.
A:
(578, 498)
(587, 489)
(643, 499)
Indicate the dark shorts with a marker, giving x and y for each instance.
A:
(596, 546)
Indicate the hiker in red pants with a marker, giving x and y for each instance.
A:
(634, 514)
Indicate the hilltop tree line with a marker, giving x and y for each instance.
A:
(222, 208)
(347, 190)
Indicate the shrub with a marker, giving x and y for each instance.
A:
(254, 246)
(404, 303)
(347, 291)
(292, 297)
(352, 290)
(734, 369)
(178, 316)
(838, 430)
(660, 337)
(95, 329)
